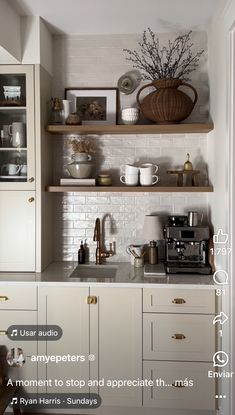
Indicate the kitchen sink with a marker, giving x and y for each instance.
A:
(94, 271)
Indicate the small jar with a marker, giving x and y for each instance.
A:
(73, 119)
(104, 180)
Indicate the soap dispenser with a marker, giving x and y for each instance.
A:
(81, 254)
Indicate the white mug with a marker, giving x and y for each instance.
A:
(148, 179)
(129, 169)
(10, 169)
(148, 168)
(17, 133)
(130, 179)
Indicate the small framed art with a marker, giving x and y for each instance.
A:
(94, 105)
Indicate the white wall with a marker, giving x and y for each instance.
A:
(36, 42)
(10, 38)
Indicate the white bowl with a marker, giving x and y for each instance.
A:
(130, 115)
(130, 111)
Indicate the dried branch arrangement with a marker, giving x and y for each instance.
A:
(81, 145)
(173, 61)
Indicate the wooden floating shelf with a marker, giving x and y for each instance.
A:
(132, 129)
(151, 189)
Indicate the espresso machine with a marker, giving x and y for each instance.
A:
(186, 247)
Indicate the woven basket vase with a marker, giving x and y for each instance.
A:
(167, 104)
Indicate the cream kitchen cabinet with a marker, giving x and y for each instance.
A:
(110, 329)
(66, 307)
(18, 306)
(116, 341)
(178, 348)
(17, 236)
(17, 126)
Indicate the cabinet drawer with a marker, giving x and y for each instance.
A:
(10, 318)
(178, 337)
(199, 396)
(18, 298)
(164, 300)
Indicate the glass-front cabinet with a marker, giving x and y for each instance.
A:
(17, 164)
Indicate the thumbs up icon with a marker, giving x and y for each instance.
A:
(220, 237)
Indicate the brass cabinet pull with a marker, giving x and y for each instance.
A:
(178, 385)
(31, 179)
(91, 299)
(178, 301)
(31, 199)
(178, 336)
(3, 298)
(3, 332)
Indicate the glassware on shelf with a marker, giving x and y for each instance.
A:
(57, 107)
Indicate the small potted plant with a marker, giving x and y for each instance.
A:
(168, 68)
(81, 167)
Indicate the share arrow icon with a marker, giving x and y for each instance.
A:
(221, 318)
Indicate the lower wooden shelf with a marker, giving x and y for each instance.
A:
(151, 189)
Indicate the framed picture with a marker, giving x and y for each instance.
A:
(94, 105)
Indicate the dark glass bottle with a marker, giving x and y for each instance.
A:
(81, 254)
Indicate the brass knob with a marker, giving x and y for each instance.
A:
(178, 336)
(31, 199)
(31, 179)
(178, 385)
(91, 299)
(3, 298)
(178, 301)
(3, 332)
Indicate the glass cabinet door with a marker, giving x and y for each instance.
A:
(17, 159)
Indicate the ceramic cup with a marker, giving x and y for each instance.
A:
(134, 249)
(10, 169)
(148, 179)
(130, 179)
(129, 169)
(130, 115)
(81, 157)
(17, 133)
(148, 168)
(138, 262)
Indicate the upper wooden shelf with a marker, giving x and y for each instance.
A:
(186, 189)
(132, 129)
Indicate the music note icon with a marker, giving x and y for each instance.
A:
(14, 332)
(14, 401)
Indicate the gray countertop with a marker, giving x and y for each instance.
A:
(58, 273)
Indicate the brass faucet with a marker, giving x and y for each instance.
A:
(100, 253)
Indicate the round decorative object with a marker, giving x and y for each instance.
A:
(167, 104)
(128, 82)
(73, 119)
